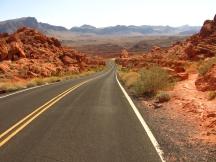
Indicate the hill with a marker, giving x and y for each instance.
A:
(10, 26)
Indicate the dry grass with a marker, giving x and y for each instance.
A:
(41, 81)
(12, 86)
(204, 66)
(129, 78)
(9, 86)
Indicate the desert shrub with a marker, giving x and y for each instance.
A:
(130, 78)
(9, 87)
(152, 80)
(211, 95)
(35, 82)
(206, 65)
(162, 97)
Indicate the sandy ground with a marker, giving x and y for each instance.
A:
(185, 126)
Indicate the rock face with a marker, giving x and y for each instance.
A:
(208, 81)
(11, 26)
(209, 27)
(203, 44)
(27, 53)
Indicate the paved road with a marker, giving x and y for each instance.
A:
(92, 123)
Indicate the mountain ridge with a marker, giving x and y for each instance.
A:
(12, 25)
(137, 30)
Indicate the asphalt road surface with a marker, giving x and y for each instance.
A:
(81, 120)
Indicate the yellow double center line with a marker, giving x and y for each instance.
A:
(20, 125)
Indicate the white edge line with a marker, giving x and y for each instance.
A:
(144, 124)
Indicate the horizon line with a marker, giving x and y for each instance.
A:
(99, 27)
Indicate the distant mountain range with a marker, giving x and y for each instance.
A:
(12, 25)
(122, 30)
(137, 30)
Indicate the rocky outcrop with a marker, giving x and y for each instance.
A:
(208, 81)
(124, 54)
(203, 44)
(208, 28)
(28, 53)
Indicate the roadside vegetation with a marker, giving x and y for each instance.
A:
(148, 82)
(8, 86)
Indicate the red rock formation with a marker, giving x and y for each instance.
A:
(208, 28)
(155, 49)
(198, 46)
(3, 50)
(28, 53)
(124, 54)
(208, 81)
(203, 44)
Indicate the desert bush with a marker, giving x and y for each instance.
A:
(211, 95)
(162, 97)
(36, 82)
(9, 87)
(152, 80)
(206, 65)
(130, 78)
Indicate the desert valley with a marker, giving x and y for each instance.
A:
(168, 72)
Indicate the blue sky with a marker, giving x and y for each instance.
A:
(101, 13)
